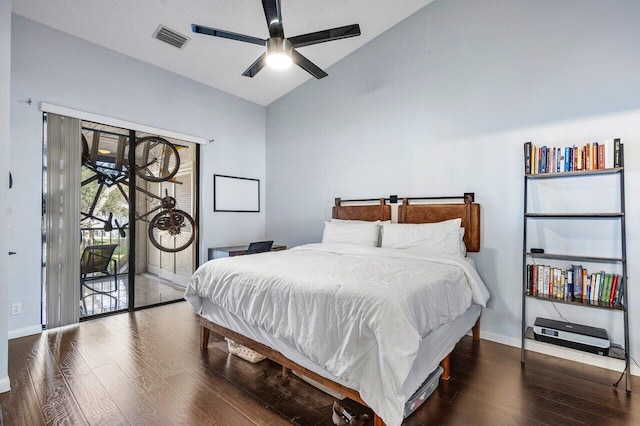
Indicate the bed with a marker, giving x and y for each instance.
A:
(359, 320)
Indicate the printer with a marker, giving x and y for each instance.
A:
(575, 336)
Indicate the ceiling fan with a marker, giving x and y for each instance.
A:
(280, 51)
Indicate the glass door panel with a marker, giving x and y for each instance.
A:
(166, 228)
(104, 207)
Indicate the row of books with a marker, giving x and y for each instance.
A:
(592, 156)
(574, 283)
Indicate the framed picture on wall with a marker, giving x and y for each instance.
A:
(236, 194)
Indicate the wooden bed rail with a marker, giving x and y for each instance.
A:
(206, 326)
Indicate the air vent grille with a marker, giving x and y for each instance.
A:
(171, 37)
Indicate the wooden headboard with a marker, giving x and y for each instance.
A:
(370, 212)
(469, 212)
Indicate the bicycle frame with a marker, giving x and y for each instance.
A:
(164, 217)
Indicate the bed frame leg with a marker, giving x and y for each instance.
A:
(377, 421)
(476, 330)
(446, 366)
(285, 372)
(204, 338)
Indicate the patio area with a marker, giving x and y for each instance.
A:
(149, 290)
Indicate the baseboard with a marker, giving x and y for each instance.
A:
(560, 352)
(26, 331)
(5, 384)
(499, 338)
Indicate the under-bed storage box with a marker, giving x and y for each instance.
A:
(424, 392)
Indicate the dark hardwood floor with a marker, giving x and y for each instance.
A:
(145, 368)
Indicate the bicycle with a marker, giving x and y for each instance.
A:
(156, 160)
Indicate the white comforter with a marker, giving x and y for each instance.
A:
(358, 312)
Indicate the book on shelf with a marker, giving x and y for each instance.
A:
(577, 281)
(540, 281)
(608, 149)
(608, 285)
(574, 283)
(601, 280)
(592, 156)
(579, 159)
(601, 157)
(562, 292)
(617, 153)
(547, 280)
(527, 158)
(614, 285)
(619, 291)
(561, 162)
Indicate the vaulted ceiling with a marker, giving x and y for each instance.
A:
(127, 27)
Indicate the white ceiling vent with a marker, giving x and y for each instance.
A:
(170, 36)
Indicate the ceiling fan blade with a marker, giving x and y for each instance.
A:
(307, 65)
(273, 13)
(227, 34)
(256, 66)
(326, 35)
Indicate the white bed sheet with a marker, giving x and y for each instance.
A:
(357, 312)
(433, 347)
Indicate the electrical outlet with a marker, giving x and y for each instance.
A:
(16, 308)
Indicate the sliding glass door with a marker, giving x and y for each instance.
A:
(138, 250)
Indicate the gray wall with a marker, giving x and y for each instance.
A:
(441, 104)
(50, 66)
(5, 86)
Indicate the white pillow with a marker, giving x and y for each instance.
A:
(463, 246)
(423, 238)
(362, 234)
(379, 222)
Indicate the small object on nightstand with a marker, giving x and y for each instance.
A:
(231, 251)
(537, 250)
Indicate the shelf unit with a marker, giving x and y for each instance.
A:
(527, 332)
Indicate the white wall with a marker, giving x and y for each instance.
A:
(50, 66)
(5, 86)
(442, 103)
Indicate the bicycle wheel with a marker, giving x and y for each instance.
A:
(157, 159)
(172, 230)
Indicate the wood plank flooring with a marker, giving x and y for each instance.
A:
(145, 368)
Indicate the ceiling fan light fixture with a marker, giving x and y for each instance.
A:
(279, 53)
(282, 52)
